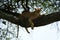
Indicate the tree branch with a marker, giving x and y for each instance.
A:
(25, 6)
(47, 19)
(22, 21)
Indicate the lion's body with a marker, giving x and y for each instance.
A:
(31, 16)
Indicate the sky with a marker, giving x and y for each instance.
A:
(47, 32)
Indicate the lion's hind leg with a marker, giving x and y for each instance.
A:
(27, 30)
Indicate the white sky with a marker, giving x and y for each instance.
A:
(47, 32)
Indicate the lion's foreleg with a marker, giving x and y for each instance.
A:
(31, 23)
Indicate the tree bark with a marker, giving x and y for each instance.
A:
(23, 22)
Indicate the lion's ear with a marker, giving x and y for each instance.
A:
(35, 8)
(38, 8)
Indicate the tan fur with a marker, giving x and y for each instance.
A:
(32, 15)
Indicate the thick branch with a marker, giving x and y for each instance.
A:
(7, 15)
(47, 19)
(22, 21)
